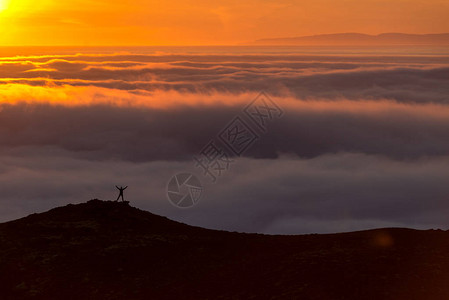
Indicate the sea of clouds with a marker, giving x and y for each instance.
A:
(363, 142)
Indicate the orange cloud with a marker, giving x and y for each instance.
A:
(72, 96)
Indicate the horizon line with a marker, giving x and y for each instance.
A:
(241, 43)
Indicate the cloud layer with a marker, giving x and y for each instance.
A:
(364, 141)
(401, 78)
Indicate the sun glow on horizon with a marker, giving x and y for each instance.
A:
(3, 5)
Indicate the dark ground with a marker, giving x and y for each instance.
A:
(110, 250)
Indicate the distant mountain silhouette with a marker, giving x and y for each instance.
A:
(361, 39)
(110, 250)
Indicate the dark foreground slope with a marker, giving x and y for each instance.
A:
(108, 250)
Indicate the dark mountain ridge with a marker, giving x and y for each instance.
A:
(110, 250)
(348, 39)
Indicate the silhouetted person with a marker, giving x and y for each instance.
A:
(121, 189)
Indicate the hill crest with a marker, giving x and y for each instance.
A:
(111, 250)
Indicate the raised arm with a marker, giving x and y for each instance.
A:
(125, 187)
(117, 187)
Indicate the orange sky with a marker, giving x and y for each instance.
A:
(212, 22)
